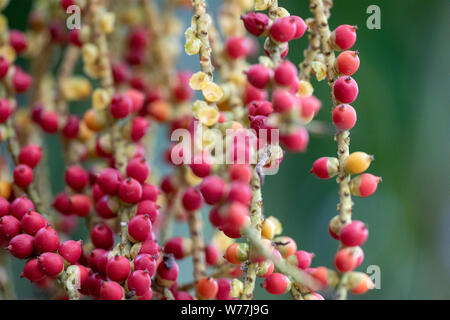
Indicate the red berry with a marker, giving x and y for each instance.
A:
(139, 127)
(283, 29)
(150, 192)
(259, 76)
(345, 36)
(364, 185)
(345, 89)
(223, 289)
(215, 218)
(30, 155)
(81, 205)
(345, 260)
(138, 38)
(207, 288)
(32, 272)
(283, 100)
(146, 262)
(21, 80)
(109, 180)
(121, 73)
(49, 121)
(256, 23)
(301, 259)
(237, 47)
(137, 99)
(70, 250)
(240, 172)
(21, 246)
(4, 67)
(51, 264)
(76, 178)
(102, 236)
(192, 199)
(286, 74)
(150, 247)
(252, 93)
(235, 215)
(354, 234)
(5, 110)
(62, 204)
(32, 222)
(348, 62)
(66, 3)
(130, 191)
(181, 295)
(260, 108)
(139, 282)
(240, 192)
(9, 227)
(296, 141)
(110, 290)
(277, 283)
(148, 207)
(23, 176)
(4, 207)
(167, 271)
(121, 106)
(138, 169)
(17, 40)
(201, 165)
(212, 255)
(212, 189)
(140, 228)
(178, 246)
(46, 240)
(300, 27)
(344, 117)
(325, 167)
(74, 38)
(20, 206)
(71, 128)
(118, 268)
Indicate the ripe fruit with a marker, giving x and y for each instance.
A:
(32, 222)
(300, 27)
(121, 106)
(286, 74)
(240, 192)
(118, 268)
(111, 290)
(260, 108)
(30, 155)
(146, 262)
(23, 176)
(207, 288)
(76, 178)
(5, 110)
(277, 283)
(4, 207)
(267, 229)
(21, 246)
(167, 271)
(348, 62)
(20, 206)
(109, 180)
(296, 141)
(21, 81)
(201, 165)
(325, 167)
(301, 259)
(46, 240)
(192, 199)
(71, 251)
(80, 205)
(17, 40)
(358, 162)
(344, 36)
(178, 246)
(49, 121)
(354, 234)
(235, 215)
(237, 253)
(223, 289)
(212, 189)
(140, 228)
(359, 283)
(283, 29)
(344, 117)
(102, 236)
(138, 169)
(237, 47)
(130, 191)
(51, 264)
(256, 23)
(212, 255)
(345, 89)
(9, 227)
(285, 245)
(32, 272)
(259, 76)
(148, 207)
(72, 127)
(364, 185)
(320, 274)
(4, 67)
(345, 260)
(140, 282)
(283, 100)
(241, 172)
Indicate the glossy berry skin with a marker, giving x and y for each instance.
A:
(236, 215)
(237, 253)
(51, 264)
(237, 47)
(286, 74)
(345, 89)
(49, 121)
(81, 205)
(109, 180)
(348, 62)
(140, 228)
(130, 191)
(358, 162)
(146, 262)
(354, 234)
(21, 246)
(32, 222)
(148, 207)
(301, 259)
(46, 240)
(277, 284)
(121, 106)
(223, 289)
(102, 236)
(30, 155)
(345, 260)
(9, 227)
(5, 110)
(212, 189)
(192, 199)
(76, 178)
(259, 76)
(256, 23)
(23, 176)
(71, 251)
(32, 272)
(178, 246)
(364, 185)
(282, 101)
(111, 290)
(325, 167)
(345, 36)
(344, 117)
(296, 141)
(20, 206)
(207, 288)
(107, 207)
(138, 169)
(300, 27)
(150, 192)
(139, 127)
(309, 107)
(283, 29)
(118, 268)
(140, 282)
(240, 172)
(212, 255)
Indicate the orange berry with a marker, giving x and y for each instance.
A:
(285, 245)
(207, 288)
(236, 253)
(358, 162)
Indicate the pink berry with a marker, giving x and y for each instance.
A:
(212, 255)
(109, 180)
(72, 127)
(80, 205)
(21, 246)
(277, 283)
(30, 155)
(348, 62)
(5, 110)
(345, 260)
(283, 29)
(260, 108)
(9, 227)
(240, 172)
(76, 178)
(139, 282)
(150, 192)
(235, 216)
(201, 165)
(4, 207)
(20, 206)
(192, 199)
(46, 240)
(182, 295)
(151, 247)
(252, 93)
(102, 236)
(140, 228)
(21, 80)
(212, 189)
(23, 176)
(237, 47)
(32, 272)
(345, 89)
(285, 74)
(354, 234)
(4, 67)
(130, 191)
(325, 167)
(62, 204)
(310, 106)
(224, 288)
(215, 218)
(121, 106)
(302, 259)
(241, 192)
(137, 99)
(111, 290)
(300, 27)
(51, 264)
(121, 73)
(282, 100)
(178, 246)
(364, 185)
(74, 38)
(146, 262)
(296, 141)
(139, 127)
(344, 117)
(148, 207)
(138, 38)
(118, 268)
(345, 36)
(32, 222)
(17, 40)
(256, 23)
(259, 76)
(138, 169)
(49, 121)
(70, 250)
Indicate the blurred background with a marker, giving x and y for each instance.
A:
(403, 119)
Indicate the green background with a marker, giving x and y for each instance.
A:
(403, 119)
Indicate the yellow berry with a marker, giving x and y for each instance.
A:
(100, 99)
(5, 189)
(277, 224)
(75, 88)
(268, 229)
(358, 162)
